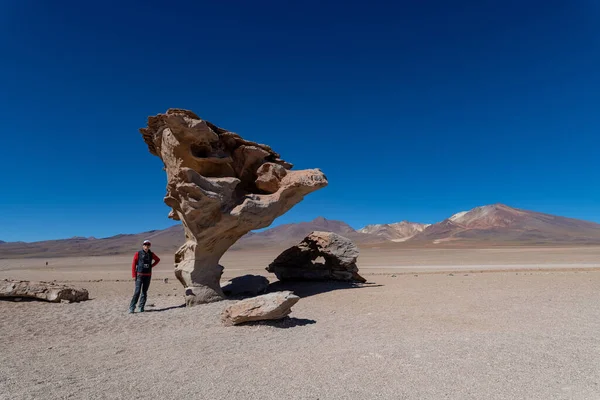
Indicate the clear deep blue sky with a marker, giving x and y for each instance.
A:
(414, 111)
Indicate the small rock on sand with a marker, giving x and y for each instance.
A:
(270, 306)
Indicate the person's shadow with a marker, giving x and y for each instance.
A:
(164, 309)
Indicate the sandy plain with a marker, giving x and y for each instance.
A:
(500, 323)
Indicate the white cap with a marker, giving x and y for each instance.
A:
(146, 242)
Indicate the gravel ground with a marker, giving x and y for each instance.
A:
(493, 335)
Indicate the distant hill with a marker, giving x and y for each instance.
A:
(290, 234)
(165, 240)
(168, 241)
(396, 232)
(490, 225)
(501, 224)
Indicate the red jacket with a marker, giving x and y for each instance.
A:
(134, 263)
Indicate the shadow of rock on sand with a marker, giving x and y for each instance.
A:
(311, 288)
(23, 300)
(285, 323)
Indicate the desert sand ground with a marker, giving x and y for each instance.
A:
(512, 323)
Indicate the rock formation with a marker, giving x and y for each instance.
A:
(41, 291)
(321, 255)
(221, 187)
(266, 307)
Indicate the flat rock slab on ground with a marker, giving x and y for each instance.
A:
(270, 306)
(42, 291)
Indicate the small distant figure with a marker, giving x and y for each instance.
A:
(166, 280)
(46, 263)
(141, 270)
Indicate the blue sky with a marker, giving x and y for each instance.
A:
(414, 111)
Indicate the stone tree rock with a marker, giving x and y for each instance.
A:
(220, 187)
(320, 256)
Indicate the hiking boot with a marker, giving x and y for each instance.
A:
(131, 311)
(142, 309)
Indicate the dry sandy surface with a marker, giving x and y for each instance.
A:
(431, 324)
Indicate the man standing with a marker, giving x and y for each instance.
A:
(141, 271)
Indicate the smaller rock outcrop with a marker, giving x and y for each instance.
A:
(246, 285)
(270, 306)
(42, 291)
(320, 256)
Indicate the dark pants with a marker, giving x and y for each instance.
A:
(142, 283)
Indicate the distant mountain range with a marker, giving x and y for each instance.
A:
(165, 240)
(499, 223)
(290, 234)
(496, 224)
(397, 232)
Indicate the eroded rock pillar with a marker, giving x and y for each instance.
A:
(220, 187)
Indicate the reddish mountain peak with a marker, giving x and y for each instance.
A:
(495, 215)
(497, 223)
